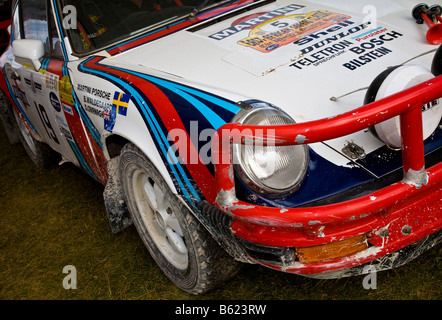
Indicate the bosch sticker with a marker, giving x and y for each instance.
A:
(356, 42)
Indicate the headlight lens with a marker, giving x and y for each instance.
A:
(269, 170)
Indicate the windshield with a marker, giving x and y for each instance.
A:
(100, 23)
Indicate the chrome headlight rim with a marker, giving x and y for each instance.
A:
(250, 108)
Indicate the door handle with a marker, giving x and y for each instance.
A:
(15, 76)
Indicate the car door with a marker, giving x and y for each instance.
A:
(44, 91)
(35, 88)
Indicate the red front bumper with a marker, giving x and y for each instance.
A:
(392, 218)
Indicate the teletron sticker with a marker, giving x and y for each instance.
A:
(283, 30)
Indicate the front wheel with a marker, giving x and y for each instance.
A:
(179, 244)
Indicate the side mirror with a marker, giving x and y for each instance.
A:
(29, 49)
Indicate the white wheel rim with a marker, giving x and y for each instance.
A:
(26, 134)
(159, 219)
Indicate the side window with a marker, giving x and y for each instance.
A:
(34, 19)
(38, 23)
(56, 48)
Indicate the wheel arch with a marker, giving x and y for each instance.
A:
(115, 142)
(114, 198)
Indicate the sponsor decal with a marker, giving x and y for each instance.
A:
(94, 100)
(66, 133)
(370, 50)
(19, 94)
(35, 87)
(61, 121)
(430, 105)
(100, 29)
(94, 91)
(119, 106)
(280, 31)
(51, 81)
(110, 116)
(369, 34)
(65, 90)
(344, 39)
(68, 109)
(252, 20)
(64, 128)
(55, 102)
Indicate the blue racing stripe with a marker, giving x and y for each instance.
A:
(81, 159)
(87, 121)
(83, 116)
(214, 119)
(178, 88)
(44, 64)
(156, 129)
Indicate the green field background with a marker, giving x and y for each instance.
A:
(53, 218)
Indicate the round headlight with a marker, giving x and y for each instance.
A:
(269, 170)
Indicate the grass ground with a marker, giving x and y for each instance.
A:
(53, 218)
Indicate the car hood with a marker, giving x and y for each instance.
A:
(253, 55)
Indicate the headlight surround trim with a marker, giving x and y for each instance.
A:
(249, 160)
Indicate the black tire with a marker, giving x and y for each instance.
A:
(154, 208)
(436, 65)
(40, 153)
(8, 120)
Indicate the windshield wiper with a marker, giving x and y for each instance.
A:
(197, 9)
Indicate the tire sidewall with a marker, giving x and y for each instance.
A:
(132, 159)
(42, 155)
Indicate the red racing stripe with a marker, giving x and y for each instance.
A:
(171, 120)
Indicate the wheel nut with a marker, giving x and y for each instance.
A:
(384, 233)
(160, 220)
(406, 230)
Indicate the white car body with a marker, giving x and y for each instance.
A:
(311, 59)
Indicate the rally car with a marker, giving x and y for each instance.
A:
(304, 136)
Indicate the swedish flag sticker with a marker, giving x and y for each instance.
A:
(120, 102)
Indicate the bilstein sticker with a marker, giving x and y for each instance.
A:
(280, 31)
